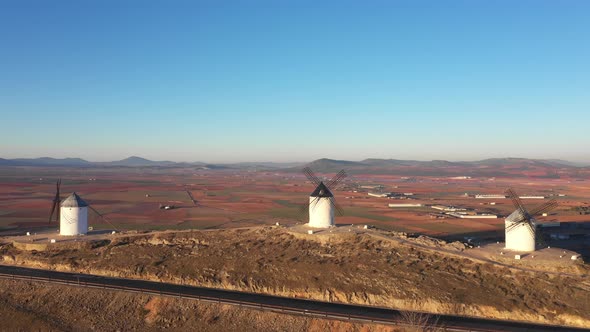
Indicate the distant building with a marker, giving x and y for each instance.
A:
(374, 186)
(486, 196)
(402, 205)
(494, 196)
(472, 216)
(447, 208)
(380, 195)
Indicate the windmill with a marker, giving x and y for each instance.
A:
(521, 228)
(322, 204)
(72, 213)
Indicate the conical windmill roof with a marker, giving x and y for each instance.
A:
(516, 215)
(321, 191)
(73, 201)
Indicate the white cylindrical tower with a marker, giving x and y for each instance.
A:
(519, 237)
(73, 216)
(321, 209)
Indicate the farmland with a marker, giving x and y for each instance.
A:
(130, 199)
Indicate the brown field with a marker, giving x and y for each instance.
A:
(374, 267)
(237, 198)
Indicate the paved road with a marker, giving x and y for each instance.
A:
(266, 302)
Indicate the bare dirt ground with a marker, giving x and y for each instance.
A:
(28, 306)
(373, 268)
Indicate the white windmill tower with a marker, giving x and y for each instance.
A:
(322, 205)
(73, 216)
(521, 227)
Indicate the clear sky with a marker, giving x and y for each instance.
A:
(221, 81)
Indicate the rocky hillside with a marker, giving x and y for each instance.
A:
(350, 268)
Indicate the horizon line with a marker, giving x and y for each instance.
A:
(296, 162)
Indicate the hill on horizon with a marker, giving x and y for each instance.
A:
(492, 167)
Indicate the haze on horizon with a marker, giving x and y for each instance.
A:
(219, 81)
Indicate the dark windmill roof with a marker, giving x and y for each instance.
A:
(321, 191)
(73, 201)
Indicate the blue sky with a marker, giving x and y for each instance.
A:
(295, 80)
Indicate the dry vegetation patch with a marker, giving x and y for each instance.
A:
(352, 268)
(28, 306)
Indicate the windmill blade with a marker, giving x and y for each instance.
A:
(539, 240)
(336, 206)
(515, 225)
(336, 179)
(552, 204)
(52, 211)
(304, 209)
(311, 176)
(56, 201)
(103, 217)
(531, 227)
(517, 202)
(520, 218)
(314, 202)
(303, 212)
(190, 195)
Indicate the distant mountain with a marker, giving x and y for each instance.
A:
(330, 165)
(412, 163)
(135, 161)
(494, 167)
(46, 161)
(6, 162)
(263, 165)
(389, 162)
(560, 162)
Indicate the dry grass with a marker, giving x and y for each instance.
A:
(28, 306)
(350, 268)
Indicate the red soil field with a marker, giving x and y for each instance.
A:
(130, 199)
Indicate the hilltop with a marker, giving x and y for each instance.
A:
(372, 268)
